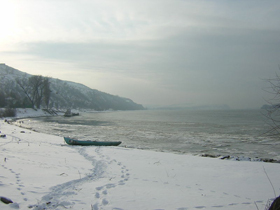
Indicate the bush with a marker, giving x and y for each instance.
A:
(8, 112)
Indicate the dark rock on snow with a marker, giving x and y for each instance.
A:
(6, 200)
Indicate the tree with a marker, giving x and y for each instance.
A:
(24, 85)
(47, 91)
(36, 88)
(2, 99)
(273, 109)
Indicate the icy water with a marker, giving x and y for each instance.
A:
(225, 132)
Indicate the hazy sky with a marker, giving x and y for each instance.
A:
(155, 52)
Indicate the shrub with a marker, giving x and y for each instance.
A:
(8, 112)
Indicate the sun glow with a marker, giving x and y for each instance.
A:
(8, 20)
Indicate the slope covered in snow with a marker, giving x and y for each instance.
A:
(65, 94)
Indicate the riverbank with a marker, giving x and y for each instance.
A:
(39, 171)
(235, 135)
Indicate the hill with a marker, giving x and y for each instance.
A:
(64, 94)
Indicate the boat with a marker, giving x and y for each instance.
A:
(91, 143)
(68, 113)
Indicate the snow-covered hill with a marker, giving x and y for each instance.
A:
(65, 94)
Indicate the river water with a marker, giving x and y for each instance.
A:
(237, 133)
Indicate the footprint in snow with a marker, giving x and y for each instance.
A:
(232, 204)
(121, 182)
(108, 186)
(105, 201)
(246, 203)
(99, 188)
(97, 195)
(95, 207)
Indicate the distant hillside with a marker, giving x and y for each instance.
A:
(64, 94)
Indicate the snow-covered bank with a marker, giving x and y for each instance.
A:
(23, 113)
(38, 171)
(28, 112)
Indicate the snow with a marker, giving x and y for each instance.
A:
(39, 171)
(23, 113)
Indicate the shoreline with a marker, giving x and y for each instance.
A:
(221, 157)
(38, 172)
(31, 113)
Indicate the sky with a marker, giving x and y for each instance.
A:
(155, 52)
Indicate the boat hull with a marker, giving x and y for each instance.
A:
(91, 143)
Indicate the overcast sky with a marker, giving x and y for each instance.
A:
(155, 52)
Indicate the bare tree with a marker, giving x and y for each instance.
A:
(36, 88)
(24, 85)
(273, 109)
(47, 91)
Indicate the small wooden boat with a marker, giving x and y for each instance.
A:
(91, 143)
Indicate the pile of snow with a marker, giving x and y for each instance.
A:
(39, 171)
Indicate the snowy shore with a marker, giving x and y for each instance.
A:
(39, 171)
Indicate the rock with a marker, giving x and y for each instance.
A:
(276, 204)
(209, 155)
(269, 160)
(6, 200)
(225, 157)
